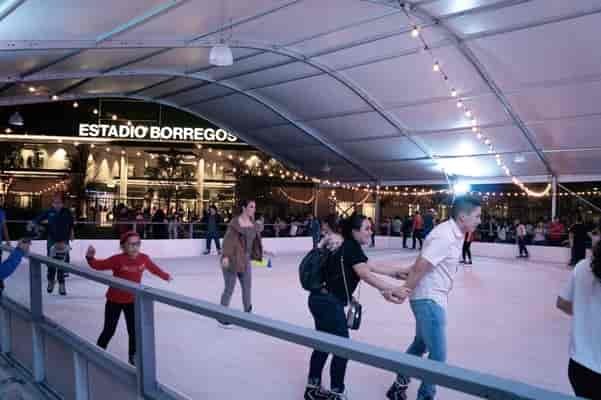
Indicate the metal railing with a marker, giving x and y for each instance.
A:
(142, 381)
(198, 230)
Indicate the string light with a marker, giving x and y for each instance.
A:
(437, 68)
(415, 31)
(114, 117)
(95, 111)
(54, 97)
(75, 104)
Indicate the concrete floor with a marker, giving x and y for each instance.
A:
(502, 321)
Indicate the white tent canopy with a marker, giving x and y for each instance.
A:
(341, 83)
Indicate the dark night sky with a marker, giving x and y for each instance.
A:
(61, 118)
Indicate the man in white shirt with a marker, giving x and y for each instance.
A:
(430, 282)
(581, 298)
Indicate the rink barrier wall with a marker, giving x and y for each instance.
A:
(183, 248)
(67, 366)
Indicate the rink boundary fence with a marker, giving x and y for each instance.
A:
(87, 360)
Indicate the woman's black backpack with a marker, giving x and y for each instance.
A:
(310, 270)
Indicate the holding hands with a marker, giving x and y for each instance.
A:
(396, 295)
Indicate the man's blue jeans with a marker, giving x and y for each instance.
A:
(430, 337)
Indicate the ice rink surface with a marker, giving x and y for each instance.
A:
(501, 320)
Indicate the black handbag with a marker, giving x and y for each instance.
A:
(355, 309)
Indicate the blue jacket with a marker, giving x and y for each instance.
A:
(11, 263)
(60, 224)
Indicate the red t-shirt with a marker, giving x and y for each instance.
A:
(418, 222)
(128, 268)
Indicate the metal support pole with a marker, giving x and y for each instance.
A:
(377, 211)
(80, 367)
(553, 197)
(37, 315)
(35, 290)
(316, 200)
(145, 357)
(5, 344)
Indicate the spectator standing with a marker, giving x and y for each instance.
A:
(396, 226)
(579, 237)
(418, 229)
(60, 229)
(428, 222)
(556, 232)
(211, 221)
(407, 227)
(314, 230)
(539, 234)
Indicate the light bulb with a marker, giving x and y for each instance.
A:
(75, 104)
(487, 141)
(453, 93)
(54, 97)
(436, 67)
(479, 136)
(31, 89)
(95, 111)
(114, 117)
(474, 129)
(460, 104)
(468, 113)
(415, 31)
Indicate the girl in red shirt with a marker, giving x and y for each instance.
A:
(128, 265)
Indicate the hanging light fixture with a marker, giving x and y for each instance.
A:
(16, 119)
(221, 54)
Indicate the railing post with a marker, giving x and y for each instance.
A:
(191, 230)
(37, 315)
(35, 289)
(145, 345)
(5, 344)
(80, 368)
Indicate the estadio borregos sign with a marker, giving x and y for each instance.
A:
(142, 132)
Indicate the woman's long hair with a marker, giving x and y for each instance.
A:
(351, 224)
(596, 261)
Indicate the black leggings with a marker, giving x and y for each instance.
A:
(466, 251)
(522, 246)
(328, 313)
(112, 312)
(586, 383)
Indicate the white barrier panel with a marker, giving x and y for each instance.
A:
(175, 248)
(165, 248)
